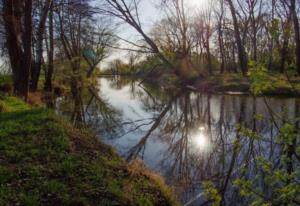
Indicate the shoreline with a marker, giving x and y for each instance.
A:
(217, 85)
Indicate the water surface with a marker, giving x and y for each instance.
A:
(187, 137)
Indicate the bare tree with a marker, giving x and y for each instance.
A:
(37, 60)
(176, 17)
(220, 14)
(50, 51)
(204, 31)
(240, 47)
(127, 11)
(293, 11)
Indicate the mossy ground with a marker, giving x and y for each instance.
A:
(46, 161)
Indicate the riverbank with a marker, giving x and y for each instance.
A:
(273, 85)
(237, 84)
(46, 161)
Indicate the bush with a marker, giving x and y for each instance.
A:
(3, 107)
(6, 84)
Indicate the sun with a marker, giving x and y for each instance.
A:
(197, 3)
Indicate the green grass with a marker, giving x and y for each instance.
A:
(13, 104)
(46, 161)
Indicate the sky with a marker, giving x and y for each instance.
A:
(149, 14)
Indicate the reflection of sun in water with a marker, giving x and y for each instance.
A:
(201, 141)
(201, 128)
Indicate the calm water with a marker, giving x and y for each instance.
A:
(186, 137)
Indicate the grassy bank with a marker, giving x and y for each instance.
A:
(46, 161)
(271, 85)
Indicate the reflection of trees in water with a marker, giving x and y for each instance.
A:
(224, 119)
(134, 151)
(149, 94)
(101, 115)
(89, 108)
(118, 82)
(180, 120)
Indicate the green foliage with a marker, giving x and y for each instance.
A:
(3, 107)
(288, 134)
(259, 78)
(29, 200)
(148, 64)
(10, 104)
(262, 82)
(211, 193)
(281, 182)
(249, 133)
(274, 29)
(6, 84)
(144, 201)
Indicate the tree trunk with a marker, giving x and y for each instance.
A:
(12, 21)
(27, 45)
(234, 64)
(254, 43)
(221, 47)
(36, 67)
(284, 51)
(241, 50)
(209, 61)
(297, 34)
(19, 43)
(285, 45)
(271, 46)
(49, 72)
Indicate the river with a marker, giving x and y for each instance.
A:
(187, 137)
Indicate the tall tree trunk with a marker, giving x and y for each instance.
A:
(221, 47)
(241, 50)
(209, 61)
(234, 64)
(271, 46)
(12, 21)
(36, 67)
(27, 45)
(221, 36)
(254, 43)
(285, 45)
(49, 72)
(18, 42)
(297, 34)
(284, 51)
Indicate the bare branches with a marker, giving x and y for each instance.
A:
(128, 12)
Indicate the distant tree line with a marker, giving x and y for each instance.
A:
(233, 32)
(221, 37)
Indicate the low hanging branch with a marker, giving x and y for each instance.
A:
(128, 12)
